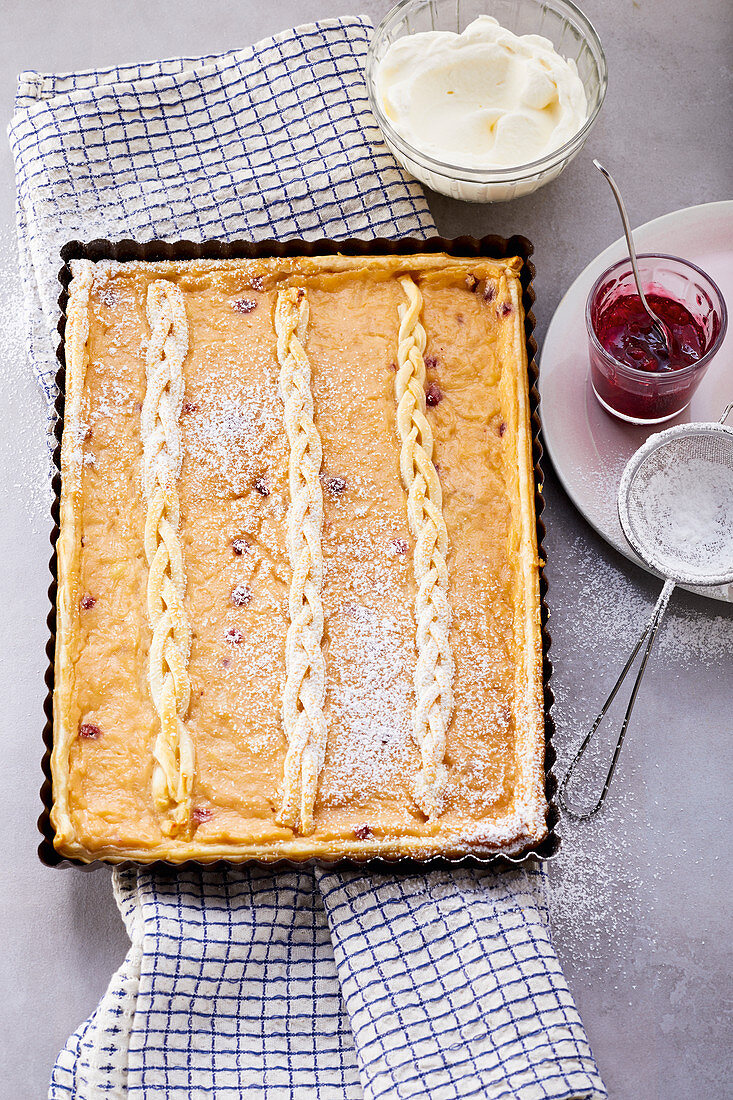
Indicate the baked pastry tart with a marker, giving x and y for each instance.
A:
(298, 585)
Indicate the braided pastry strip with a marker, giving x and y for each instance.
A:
(435, 669)
(170, 686)
(67, 546)
(305, 685)
(77, 358)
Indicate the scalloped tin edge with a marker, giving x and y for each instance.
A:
(492, 247)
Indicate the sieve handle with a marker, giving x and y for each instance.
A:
(648, 635)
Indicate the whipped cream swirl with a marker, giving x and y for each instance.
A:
(482, 99)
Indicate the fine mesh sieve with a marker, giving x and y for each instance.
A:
(675, 504)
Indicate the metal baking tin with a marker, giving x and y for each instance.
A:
(492, 247)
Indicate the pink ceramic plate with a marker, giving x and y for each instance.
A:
(588, 447)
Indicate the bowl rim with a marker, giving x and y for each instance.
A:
(682, 372)
(491, 175)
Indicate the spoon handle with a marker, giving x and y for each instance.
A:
(632, 251)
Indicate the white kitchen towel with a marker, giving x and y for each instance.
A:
(262, 983)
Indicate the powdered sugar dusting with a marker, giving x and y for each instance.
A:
(372, 699)
(113, 398)
(229, 431)
(613, 609)
(603, 887)
(596, 887)
(26, 461)
(371, 651)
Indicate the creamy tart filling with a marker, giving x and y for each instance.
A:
(298, 598)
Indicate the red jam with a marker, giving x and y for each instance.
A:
(658, 385)
(625, 330)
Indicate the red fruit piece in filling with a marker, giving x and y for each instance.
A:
(398, 546)
(87, 601)
(262, 487)
(363, 832)
(240, 546)
(471, 282)
(504, 309)
(245, 305)
(89, 731)
(434, 395)
(241, 595)
(234, 636)
(489, 292)
(189, 407)
(336, 486)
(201, 813)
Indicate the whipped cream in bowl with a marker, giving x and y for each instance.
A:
(484, 98)
(478, 111)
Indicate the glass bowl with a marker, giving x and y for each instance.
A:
(572, 35)
(648, 397)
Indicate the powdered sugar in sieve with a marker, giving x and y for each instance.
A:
(676, 503)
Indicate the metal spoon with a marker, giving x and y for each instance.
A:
(656, 321)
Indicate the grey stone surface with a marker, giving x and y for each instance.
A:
(640, 898)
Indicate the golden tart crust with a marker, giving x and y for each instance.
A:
(298, 584)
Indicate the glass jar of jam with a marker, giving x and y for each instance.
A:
(634, 375)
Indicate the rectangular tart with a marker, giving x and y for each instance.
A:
(298, 603)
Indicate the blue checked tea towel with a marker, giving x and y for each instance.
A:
(331, 985)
